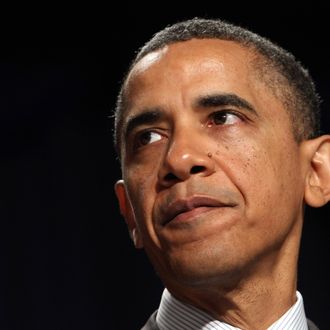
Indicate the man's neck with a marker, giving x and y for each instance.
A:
(253, 302)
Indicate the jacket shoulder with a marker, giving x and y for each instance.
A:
(311, 325)
(151, 323)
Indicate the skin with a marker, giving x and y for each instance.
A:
(214, 191)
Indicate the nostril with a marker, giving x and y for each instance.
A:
(197, 169)
(170, 177)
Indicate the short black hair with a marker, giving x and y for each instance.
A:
(289, 80)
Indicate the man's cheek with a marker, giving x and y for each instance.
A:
(141, 192)
(255, 175)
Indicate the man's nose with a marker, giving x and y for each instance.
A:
(185, 157)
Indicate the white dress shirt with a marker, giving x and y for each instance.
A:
(176, 315)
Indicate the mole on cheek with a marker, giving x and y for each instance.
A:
(247, 163)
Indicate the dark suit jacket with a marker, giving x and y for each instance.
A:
(151, 324)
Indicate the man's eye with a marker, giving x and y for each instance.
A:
(148, 137)
(223, 118)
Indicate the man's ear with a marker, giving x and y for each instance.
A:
(317, 187)
(128, 214)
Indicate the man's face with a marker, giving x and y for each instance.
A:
(210, 165)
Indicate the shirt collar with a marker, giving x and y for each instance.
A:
(176, 315)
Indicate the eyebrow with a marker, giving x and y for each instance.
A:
(146, 117)
(224, 99)
(154, 115)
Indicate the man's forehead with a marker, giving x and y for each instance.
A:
(185, 58)
(193, 48)
(184, 62)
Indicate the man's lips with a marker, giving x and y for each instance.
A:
(186, 205)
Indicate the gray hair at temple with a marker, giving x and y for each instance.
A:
(278, 69)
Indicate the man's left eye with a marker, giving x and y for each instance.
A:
(224, 118)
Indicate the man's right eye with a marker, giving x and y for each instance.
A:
(147, 137)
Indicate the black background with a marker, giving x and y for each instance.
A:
(66, 259)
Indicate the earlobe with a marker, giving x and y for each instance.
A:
(317, 188)
(128, 214)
